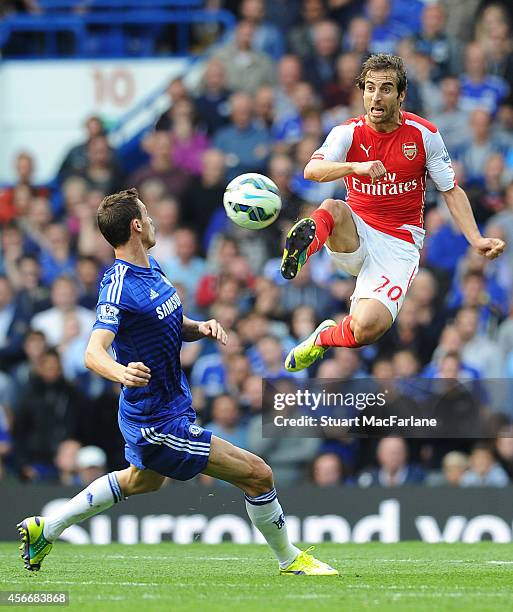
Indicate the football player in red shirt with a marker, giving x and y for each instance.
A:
(376, 235)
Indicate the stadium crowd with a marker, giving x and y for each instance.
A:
(269, 94)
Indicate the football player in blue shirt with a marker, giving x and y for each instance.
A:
(140, 316)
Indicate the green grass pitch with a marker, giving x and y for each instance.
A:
(406, 576)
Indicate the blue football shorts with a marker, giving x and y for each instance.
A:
(177, 447)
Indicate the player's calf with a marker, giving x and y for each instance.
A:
(134, 481)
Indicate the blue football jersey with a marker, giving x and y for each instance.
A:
(141, 306)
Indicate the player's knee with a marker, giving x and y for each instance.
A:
(261, 477)
(338, 209)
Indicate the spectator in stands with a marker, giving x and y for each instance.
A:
(34, 347)
(271, 360)
(484, 470)
(280, 170)
(176, 92)
(14, 319)
(386, 31)
(477, 291)
(478, 147)
(32, 295)
(88, 278)
(186, 267)
(211, 103)
(493, 33)
(246, 147)
(91, 463)
(504, 220)
(477, 350)
(302, 322)
(210, 371)
(289, 129)
(451, 120)
(479, 89)
(319, 67)
(98, 425)
(204, 196)
(309, 191)
(35, 224)
(454, 467)
(303, 292)
(289, 72)
(188, 143)
(12, 249)
(487, 198)
(445, 245)
(160, 166)
(460, 18)
(289, 456)
(102, 170)
(64, 298)
(267, 302)
(338, 93)
(15, 201)
(504, 450)
(444, 51)
(267, 38)
(76, 159)
(165, 216)
(394, 469)
(301, 36)
(65, 462)
(264, 107)
(359, 36)
(57, 257)
(327, 470)
(246, 69)
(46, 417)
(408, 333)
(226, 421)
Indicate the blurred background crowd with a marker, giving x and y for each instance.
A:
(271, 90)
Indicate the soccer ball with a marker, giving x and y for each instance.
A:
(252, 201)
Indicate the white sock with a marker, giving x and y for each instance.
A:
(101, 494)
(267, 516)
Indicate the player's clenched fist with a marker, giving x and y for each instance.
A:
(136, 374)
(213, 329)
(374, 169)
(489, 247)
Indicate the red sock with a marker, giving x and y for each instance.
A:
(341, 335)
(324, 222)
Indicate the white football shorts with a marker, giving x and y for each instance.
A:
(384, 266)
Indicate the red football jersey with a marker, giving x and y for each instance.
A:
(395, 203)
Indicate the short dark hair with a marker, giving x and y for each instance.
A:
(115, 214)
(384, 61)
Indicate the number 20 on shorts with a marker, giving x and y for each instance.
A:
(394, 292)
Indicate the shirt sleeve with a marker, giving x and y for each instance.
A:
(438, 162)
(337, 144)
(113, 302)
(108, 316)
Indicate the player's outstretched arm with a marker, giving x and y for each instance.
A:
(97, 359)
(324, 171)
(461, 211)
(195, 330)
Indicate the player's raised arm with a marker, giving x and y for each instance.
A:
(438, 164)
(98, 360)
(461, 211)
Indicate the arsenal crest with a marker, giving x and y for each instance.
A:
(410, 150)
